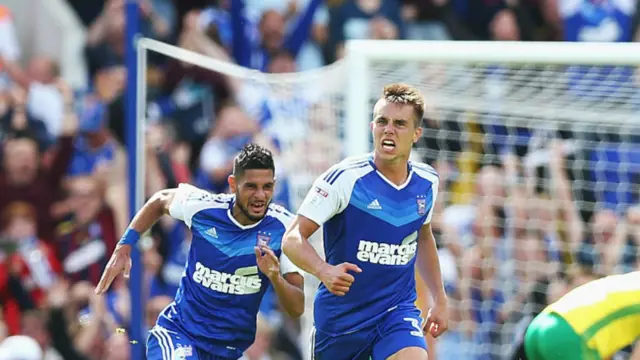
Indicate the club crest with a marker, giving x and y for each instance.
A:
(422, 206)
(263, 239)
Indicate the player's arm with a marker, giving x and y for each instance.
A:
(323, 201)
(144, 219)
(428, 264)
(297, 247)
(286, 279)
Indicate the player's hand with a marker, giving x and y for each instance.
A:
(120, 262)
(267, 261)
(337, 279)
(437, 319)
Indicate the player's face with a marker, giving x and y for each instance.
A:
(254, 190)
(394, 130)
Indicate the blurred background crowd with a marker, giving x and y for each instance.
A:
(523, 215)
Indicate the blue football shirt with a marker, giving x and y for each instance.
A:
(221, 289)
(371, 222)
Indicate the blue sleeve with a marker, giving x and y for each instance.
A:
(302, 31)
(241, 45)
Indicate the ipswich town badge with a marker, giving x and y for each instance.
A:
(263, 239)
(422, 206)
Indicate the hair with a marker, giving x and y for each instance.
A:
(405, 94)
(253, 156)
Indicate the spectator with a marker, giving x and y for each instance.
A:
(424, 19)
(29, 267)
(24, 177)
(34, 325)
(273, 36)
(364, 19)
(106, 36)
(48, 99)
(88, 236)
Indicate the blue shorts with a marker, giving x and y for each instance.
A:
(164, 344)
(397, 330)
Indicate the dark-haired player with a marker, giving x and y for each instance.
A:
(376, 214)
(235, 254)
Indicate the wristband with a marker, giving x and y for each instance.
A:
(130, 237)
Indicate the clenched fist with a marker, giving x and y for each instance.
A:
(337, 278)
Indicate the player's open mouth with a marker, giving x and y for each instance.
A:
(388, 145)
(257, 207)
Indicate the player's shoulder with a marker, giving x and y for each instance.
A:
(621, 282)
(280, 214)
(353, 167)
(425, 171)
(191, 194)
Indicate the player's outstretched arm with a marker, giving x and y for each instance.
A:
(297, 247)
(428, 265)
(288, 285)
(120, 261)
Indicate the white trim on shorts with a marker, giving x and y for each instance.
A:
(313, 343)
(164, 340)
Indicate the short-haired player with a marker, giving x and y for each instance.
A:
(235, 255)
(375, 211)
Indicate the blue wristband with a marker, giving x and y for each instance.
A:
(130, 237)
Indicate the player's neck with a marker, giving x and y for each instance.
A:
(240, 216)
(395, 171)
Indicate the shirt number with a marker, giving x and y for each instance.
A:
(416, 325)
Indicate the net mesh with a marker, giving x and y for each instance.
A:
(538, 167)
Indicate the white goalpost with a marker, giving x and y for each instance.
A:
(486, 101)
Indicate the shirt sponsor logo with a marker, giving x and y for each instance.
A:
(388, 254)
(245, 281)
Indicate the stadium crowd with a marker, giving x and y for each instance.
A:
(520, 219)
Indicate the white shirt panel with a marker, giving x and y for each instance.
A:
(331, 191)
(189, 200)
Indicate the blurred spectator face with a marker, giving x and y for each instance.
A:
(504, 26)
(110, 82)
(85, 194)
(369, 6)
(19, 222)
(633, 220)
(282, 64)
(604, 226)
(232, 121)
(34, 325)
(383, 29)
(254, 191)
(272, 30)
(489, 182)
(21, 161)
(42, 69)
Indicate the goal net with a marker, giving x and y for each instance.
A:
(537, 147)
